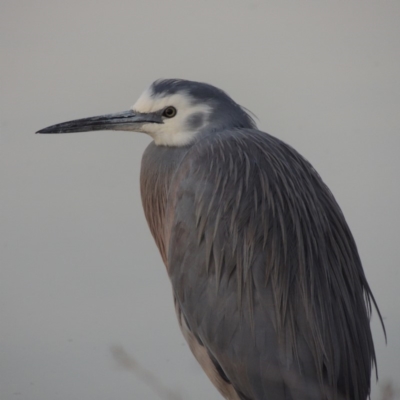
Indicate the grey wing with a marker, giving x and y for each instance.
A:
(266, 273)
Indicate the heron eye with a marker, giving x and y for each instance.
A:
(169, 112)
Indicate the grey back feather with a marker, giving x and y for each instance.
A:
(266, 271)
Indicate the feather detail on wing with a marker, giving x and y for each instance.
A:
(266, 271)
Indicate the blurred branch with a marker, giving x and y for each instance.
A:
(388, 391)
(127, 362)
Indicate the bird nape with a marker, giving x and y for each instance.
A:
(268, 285)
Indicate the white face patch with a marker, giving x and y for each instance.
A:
(174, 131)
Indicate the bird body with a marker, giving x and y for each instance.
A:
(268, 285)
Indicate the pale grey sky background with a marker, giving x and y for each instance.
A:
(80, 274)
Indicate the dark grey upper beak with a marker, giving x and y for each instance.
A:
(122, 121)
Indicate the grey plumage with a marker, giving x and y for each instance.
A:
(267, 281)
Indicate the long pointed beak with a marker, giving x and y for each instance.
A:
(122, 121)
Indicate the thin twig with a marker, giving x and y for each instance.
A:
(127, 362)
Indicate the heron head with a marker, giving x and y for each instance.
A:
(172, 111)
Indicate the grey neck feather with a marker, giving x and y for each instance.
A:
(159, 164)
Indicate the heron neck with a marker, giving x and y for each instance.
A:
(159, 164)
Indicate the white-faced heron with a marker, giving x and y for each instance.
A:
(268, 285)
